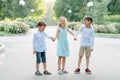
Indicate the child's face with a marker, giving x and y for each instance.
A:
(87, 23)
(41, 28)
(62, 22)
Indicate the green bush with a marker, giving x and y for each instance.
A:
(99, 28)
(74, 25)
(117, 26)
(29, 21)
(3, 26)
(110, 28)
(23, 28)
(14, 27)
(112, 18)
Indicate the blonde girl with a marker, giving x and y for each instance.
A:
(62, 44)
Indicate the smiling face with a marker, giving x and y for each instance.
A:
(62, 22)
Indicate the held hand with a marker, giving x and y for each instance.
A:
(53, 39)
(34, 52)
(91, 50)
(75, 38)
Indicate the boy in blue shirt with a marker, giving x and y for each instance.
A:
(86, 44)
(39, 47)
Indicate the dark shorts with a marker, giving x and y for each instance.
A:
(40, 57)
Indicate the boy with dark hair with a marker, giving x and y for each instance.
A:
(39, 47)
(86, 44)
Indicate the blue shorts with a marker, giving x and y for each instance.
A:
(40, 56)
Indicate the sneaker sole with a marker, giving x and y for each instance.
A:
(60, 73)
(76, 72)
(88, 72)
(38, 74)
(47, 74)
(65, 73)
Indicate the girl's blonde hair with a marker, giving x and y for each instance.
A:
(64, 18)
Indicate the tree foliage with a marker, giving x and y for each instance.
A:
(12, 9)
(49, 16)
(78, 8)
(98, 11)
(114, 7)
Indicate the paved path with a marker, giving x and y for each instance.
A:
(18, 62)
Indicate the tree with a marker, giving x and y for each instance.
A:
(98, 11)
(77, 7)
(114, 7)
(12, 9)
(49, 15)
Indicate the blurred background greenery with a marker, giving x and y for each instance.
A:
(26, 13)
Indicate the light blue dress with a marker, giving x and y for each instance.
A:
(62, 44)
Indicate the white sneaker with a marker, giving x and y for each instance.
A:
(60, 71)
(64, 71)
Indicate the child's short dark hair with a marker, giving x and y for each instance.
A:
(88, 18)
(41, 24)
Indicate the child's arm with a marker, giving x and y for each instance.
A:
(57, 32)
(92, 41)
(34, 52)
(75, 38)
(34, 40)
(49, 37)
(71, 32)
(77, 32)
(56, 35)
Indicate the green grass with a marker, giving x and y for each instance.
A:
(108, 35)
(4, 33)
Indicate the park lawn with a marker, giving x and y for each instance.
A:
(108, 35)
(5, 33)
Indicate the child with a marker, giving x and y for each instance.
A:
(62, 44)
(87, 41)
(39, 47)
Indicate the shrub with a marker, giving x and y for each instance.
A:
(110, 28)
(22, 27)
(112, 18)
(74, 25)
(29, 21)
(99, 28)
(14, 27)
(3, 26)
(117, 26)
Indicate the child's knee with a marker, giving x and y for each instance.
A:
(87, 57)
(64, 57)
(80, 57)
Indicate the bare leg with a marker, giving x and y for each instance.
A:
(37, 67)
(63, 62)
(44, 66)
(79, 61)
(59, 62)
(87, 62)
